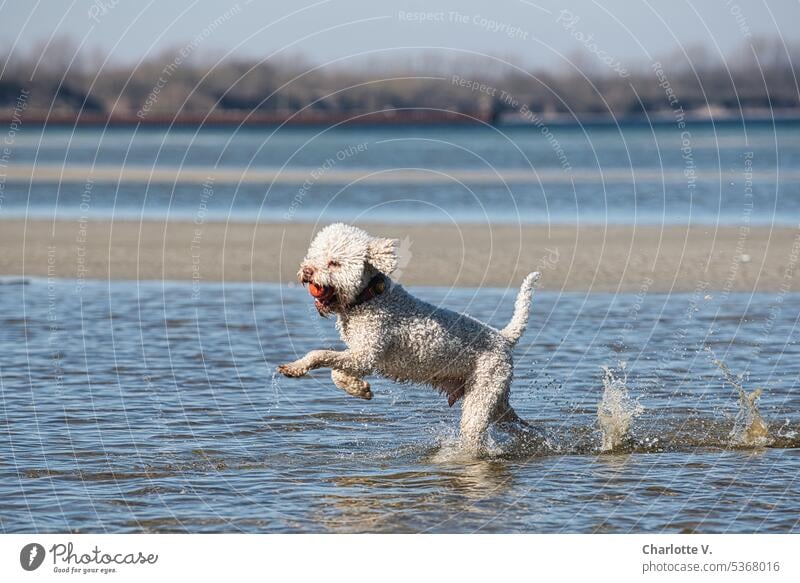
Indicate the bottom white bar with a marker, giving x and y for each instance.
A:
(382, 558)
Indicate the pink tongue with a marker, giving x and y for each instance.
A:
(316, 290)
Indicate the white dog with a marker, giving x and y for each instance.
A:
(392, 333)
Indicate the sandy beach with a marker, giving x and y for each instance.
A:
(585, 258)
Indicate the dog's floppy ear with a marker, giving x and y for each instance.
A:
(382, 254)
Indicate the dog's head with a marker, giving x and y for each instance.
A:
(340, 263)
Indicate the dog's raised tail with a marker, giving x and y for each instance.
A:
(519, 321)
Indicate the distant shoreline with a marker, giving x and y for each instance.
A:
(591, 258)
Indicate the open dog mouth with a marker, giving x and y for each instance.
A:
(324, 296)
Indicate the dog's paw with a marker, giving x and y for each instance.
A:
(358, 388)
(362, 392)
(351, 385)
(291, 370)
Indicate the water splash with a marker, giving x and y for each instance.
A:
(523, 442)
(749, 427)
(616, 411)
(276, 389)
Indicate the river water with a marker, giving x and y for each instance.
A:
(153, 407)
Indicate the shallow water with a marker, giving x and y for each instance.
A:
(628, 174)
(153, 407)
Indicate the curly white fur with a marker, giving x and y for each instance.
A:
(403, 338)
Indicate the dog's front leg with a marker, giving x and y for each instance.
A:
(347, 361)
(352, 385)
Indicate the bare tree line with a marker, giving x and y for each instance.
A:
(760, 76)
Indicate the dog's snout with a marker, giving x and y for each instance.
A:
(308, 273)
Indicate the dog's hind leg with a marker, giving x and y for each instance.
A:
(351, 384)
(505, 415)
(507, 420)
(486, 396)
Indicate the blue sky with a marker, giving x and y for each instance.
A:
(533, 33)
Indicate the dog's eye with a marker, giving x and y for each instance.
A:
(334, 263)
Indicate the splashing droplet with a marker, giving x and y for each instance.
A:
(276, 388)
(616, 411)
(749, 427)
